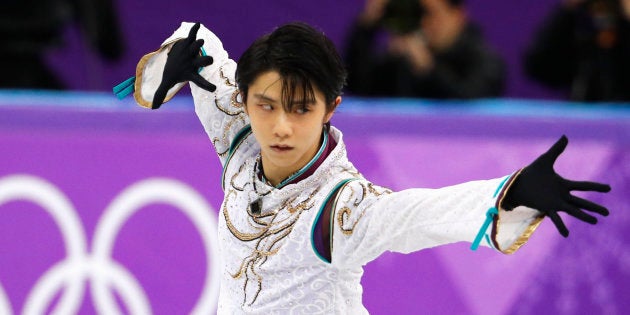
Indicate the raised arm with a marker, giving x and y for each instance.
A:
(194, 54)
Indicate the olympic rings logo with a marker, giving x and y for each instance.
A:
(97, 267)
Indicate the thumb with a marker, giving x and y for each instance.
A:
(158, 97)
(554, 152)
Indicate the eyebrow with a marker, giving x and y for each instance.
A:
(266, 98)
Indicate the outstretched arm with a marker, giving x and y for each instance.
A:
(369, 220)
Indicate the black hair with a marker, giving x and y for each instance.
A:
(303, 56)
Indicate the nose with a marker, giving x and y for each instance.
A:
(282, 127)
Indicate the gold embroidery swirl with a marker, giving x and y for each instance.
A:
(215, 140)
(227, 80)
(272, 229)
(344, 213)
(233, 184)
(234, 101)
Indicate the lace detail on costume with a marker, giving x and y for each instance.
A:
(266, 229)
(236, 118)
(221, 112)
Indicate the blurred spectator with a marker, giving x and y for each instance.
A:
(584, 47)
(431, 50)
(28, 28)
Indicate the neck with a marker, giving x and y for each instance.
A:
(276, 175)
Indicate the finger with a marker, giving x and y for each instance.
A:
(587, 186)
(203, 83)
(192, 35)
(194, 47)
(556, 149)
(557, 221)
(202, 61)
(158, 97)
(579, 214)
(588, 205)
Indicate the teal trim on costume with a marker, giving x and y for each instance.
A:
(244, 132)
(321, 210)
(489, 218)
(203, 53)
(496, 192)
(240, 136)
(124, 88)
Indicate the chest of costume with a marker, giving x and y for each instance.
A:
(265, 233)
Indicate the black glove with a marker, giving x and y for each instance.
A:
(541, 188)
(182, 65)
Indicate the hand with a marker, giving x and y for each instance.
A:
(183, 65)
(414, 49)
(540, 187)
(373, 12)
(625, 6)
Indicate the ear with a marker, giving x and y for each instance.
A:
(243, 100)
(245, 108)
(332, 112)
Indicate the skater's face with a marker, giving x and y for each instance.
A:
(288, 140)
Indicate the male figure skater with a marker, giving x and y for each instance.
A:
(298, 221)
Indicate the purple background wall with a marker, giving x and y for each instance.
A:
(508, 26)
(94, 149)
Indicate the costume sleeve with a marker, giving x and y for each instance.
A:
(369, 220)
(221, 112)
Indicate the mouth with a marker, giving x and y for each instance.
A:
(281, 148)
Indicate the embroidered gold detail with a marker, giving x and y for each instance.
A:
(225, 142)
(233, 184)
(234, 99)
(215, 140)
(234, 102)
(524, 237)
(344, 214)
(270, 227)
(137, 95)
(227, 80)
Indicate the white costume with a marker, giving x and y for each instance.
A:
(270, 261)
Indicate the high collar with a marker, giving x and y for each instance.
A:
(327, 146)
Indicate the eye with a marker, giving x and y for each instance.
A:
(265, 107)
(302, 110)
